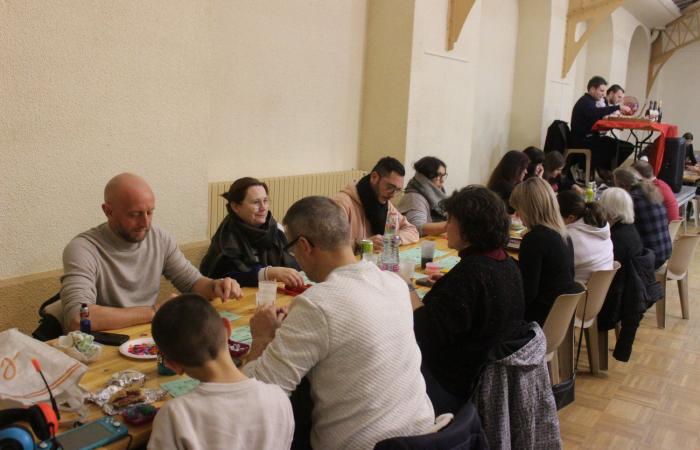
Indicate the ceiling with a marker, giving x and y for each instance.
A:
(655, 13)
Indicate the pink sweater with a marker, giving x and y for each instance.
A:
(669, 199)
(349, 200)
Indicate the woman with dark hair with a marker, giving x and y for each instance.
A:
(649, 212)
(546, 253)
(536, 166)
(475, 306)
(421, 203)
(510, 171)
(249, 245)
(589, 233)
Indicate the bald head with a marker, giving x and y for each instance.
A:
(128, 204)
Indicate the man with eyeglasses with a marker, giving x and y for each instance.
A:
(367, 204)
(350, 335)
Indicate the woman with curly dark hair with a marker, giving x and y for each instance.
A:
(476, 306)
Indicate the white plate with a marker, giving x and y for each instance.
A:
(124, 348)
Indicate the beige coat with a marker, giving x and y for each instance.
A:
(349, 200)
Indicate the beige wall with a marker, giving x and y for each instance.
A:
(387, 76)
(180, 92)
(89, 91)
(286, 87)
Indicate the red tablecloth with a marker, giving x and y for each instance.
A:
(656, 155)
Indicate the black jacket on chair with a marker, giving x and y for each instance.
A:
(633, 290)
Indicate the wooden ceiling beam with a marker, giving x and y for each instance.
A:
(678, 34)
(594, 12)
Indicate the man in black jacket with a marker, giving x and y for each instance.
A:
(584, 115)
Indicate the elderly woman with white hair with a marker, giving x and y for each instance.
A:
(634, 288)
(649, 211)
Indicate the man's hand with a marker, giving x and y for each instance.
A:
(626, 110)
(378, 241)
(226, 288)
(265, 322)
(286, 275)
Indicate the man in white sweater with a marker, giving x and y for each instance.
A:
(351, 335)
(116, 267)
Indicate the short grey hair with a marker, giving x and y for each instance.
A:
(617, 205)
(319, 219)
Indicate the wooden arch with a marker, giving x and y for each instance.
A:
(594, 12)
(681, 32)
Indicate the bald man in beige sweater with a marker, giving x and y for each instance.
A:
(116, 267)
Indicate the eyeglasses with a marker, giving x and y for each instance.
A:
(392, 188)
(441, 176)
(288, 248)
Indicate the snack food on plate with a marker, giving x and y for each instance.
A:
(126, 397)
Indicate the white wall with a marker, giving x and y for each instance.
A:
(638, 65)
(441, 97)
(494, 86)
(287, 83)
(676, 86)
(180, 92)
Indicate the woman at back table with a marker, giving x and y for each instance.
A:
(249, 246)
(510, 171)
(422, 202)
(546, 253)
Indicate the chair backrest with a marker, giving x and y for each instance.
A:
(464, 432)
(559, 319)
(682, 253)
(673, 227)
(597, 287)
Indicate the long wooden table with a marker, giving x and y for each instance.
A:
(111, 361)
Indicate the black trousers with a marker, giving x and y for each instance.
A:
(605, 153)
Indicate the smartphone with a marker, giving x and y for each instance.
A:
(427, 282)
(110, 338)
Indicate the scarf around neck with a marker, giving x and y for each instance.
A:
(375, 211)
(247, 245)
(423, 186)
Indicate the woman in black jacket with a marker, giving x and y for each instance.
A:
(476, 306)
(546, 257)
(634, 287)
(249, 245)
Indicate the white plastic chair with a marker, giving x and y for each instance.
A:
(556, 326)
(597, 288)
(676, 268)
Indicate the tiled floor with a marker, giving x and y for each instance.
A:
(652, 401)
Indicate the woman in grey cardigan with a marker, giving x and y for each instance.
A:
(421, 204)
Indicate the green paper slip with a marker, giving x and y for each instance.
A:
(414, 254)
(232, 317)
(242, 334)
(180, 387)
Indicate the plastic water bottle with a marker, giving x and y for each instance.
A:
(85, 326)
(392, 224)
(390, 253)
(590, 192)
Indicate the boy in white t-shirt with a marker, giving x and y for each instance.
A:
(227, 410)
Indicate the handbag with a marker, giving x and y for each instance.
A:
(565, 392)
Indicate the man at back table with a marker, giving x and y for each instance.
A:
(367, 204)
(584, 115)
(350, 335)
(116, 267)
